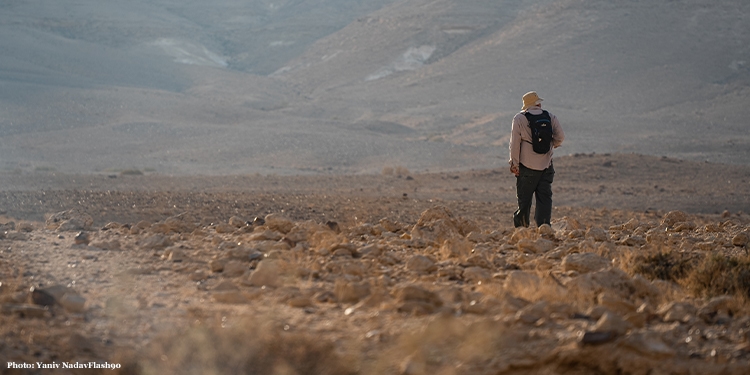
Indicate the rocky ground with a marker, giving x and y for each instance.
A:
(644, 270)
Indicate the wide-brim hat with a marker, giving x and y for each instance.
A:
(531, 99)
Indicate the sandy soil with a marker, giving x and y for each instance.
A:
(392, 273)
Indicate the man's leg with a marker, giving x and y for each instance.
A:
(526, 184)
(543, 212)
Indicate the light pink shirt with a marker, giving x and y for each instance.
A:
(521, 151)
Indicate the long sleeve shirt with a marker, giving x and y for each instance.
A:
(521, 151)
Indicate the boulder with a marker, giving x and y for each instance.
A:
(584, 262)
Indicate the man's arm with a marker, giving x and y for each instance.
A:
(515, 145)
(558, 135)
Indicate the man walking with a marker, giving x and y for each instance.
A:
(534, 134)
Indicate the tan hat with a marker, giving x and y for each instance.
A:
(531, 99)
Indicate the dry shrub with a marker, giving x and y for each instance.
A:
(721, 275)
(249, 348)
(669, 266)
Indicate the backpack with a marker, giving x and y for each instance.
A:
(541, 131)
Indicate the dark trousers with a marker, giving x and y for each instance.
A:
(530, 183)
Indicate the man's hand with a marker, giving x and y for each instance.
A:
(514, 170)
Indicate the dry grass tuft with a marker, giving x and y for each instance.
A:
(721, 275)
(664, 265)
(250, 347)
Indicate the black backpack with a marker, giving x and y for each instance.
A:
(541, 131)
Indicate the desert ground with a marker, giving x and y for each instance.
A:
(644, 270)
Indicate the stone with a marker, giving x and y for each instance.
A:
(584, 262)
(300, 302)
(538, 246)
(16, 236)
(279, 223)
(417, 300)
(455, 247)
(71, 220)
(266, 274)
(230, 297)
(25, 226)
(532, 313)
(347, 291)
(616, 303)
(235, 268)
(25, 310)
(237, 222)
(224, 228)
(648, 344)
(597, 234)
(436, 225)
(217, 265)
(546, 230)
(421, 264)
(42, 298)
(266, 235)
(477, 275)
(681, 312)
(519, 282)
(72, 302)
(597, 338)
(741, 239)
(611, 322)
(155, 242)
(674, 217)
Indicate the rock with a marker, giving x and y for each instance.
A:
(25, 226)
(72, 302)
(155, 242)
(519, 282)
(224, 228)
(16, 236)
(455, 247)
(230, 297)
(681, 312)
(532, 313)
(266, 274)
(421, 264)
(546, 230)
(71, 220)
(266, 235)
(347, 291)
(106, 245)
(237, 222)
(24, 310)
(522, 233)
(674, 217)
(389, 225)
(632, 240)
(538, 246)
(435, 225)
(610, 322)
(584, 262)
(417, 300)
(217, 265)
(477, 275)
(300, 302)
(597, 338)
(648, 344)
(279, 223)
(566, 224)
(41, 297)
(717, 306)
(616, 304)
(235, 268)
(597, 234)
(741, 239)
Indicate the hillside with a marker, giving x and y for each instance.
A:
(353, 86)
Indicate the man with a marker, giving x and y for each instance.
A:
(534, 171)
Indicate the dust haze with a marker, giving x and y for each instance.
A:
(342, 86)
